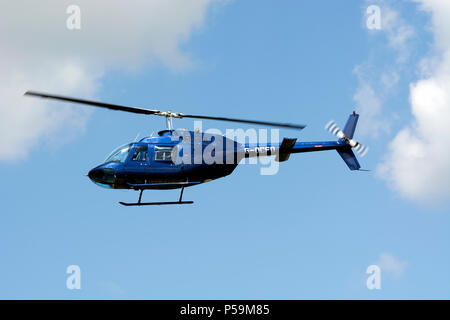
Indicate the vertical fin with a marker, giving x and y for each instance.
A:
(350, 126)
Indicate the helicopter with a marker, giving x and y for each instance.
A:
(175, 159)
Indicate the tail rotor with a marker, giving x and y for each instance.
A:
(334, 129)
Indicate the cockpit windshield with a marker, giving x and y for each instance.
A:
(120, 154)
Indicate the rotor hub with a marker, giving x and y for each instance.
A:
(169, 114)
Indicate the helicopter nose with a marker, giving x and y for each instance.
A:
(102, 175)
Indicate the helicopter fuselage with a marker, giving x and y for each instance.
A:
(176, 159)
(158, 162)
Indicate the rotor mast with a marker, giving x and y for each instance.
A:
(169, 122)
(169, 116)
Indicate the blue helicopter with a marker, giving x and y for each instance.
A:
(175, 159)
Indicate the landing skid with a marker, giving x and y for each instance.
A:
(139, 203)
(154, 203)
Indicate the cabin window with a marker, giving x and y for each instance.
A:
(140, 153)
(163, 153)
(119, 155)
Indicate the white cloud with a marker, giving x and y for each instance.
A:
(38, 52)
(369, 105)
(418, 161)
(388, 263)
(398, 32)
(25, 121)
(374, 84)
(389, 79)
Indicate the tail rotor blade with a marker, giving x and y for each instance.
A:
(364, 152)
(334, 129)
(361, 149)
(331, 126)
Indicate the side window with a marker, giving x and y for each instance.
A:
(163, 153)
(140, 153)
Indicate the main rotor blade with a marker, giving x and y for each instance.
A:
(265, 123)
(92, 103)
(157, 112)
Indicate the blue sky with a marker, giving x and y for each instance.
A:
(308, 232)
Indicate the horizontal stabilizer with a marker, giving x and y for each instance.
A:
(285, 149)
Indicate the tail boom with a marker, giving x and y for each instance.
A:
(343, 146)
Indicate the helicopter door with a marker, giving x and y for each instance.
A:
(138, 162)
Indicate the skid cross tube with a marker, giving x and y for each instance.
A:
(140, 195)
(139, 203)
(181, 195)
